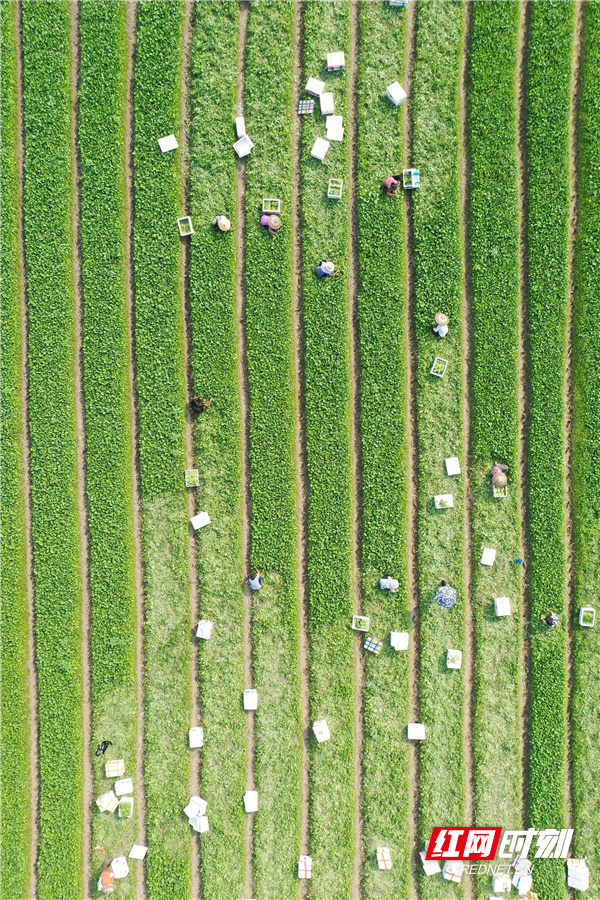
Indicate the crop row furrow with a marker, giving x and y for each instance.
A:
(325, 235)
(382, 310)
(548, 106)
(159, 342)
(17, 790)
(494, 263)
(274, 543)
(438, 288)
(102, 110)
(217, 435)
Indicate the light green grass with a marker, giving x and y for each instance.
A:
(438, 286)
(382, 310)
(15, 734)
(55, 518)
(103, 92)
(325, 226)
(217, 435)
(585, 720)
(493, 249)
(269, 329)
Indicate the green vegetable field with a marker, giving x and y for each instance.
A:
(354, 455)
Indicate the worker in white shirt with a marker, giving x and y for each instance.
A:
(389, 584)
(256, 582)
(440, 326)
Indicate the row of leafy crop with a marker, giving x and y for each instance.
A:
(159, 340)
(15, 736)
(218, 444)
(585, 719)
(55, 519)
(109, 456)
(382, 311)
(492, 252)
(325, 235)
(434, 112)
(274, 538)
(548, 109)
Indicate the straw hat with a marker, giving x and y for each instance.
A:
(274, 222)
(441, 319)
(224, 223)
(499, 480)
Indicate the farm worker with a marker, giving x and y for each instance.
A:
(440, 326)
(499, 479)
(103, 747)
(222, 223)
(256, 582)
(198, 405)
(391, 184)
(326, 268)
(107, 877)
(272, 222)
(549, 618)
(389, 584)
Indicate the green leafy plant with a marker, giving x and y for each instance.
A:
(383, 385)
(14, 626)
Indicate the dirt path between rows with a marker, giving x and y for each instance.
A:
(184, 284)
(568, 422)
(356, 456)
(244, 386)
(140, 606)
(302, 486)
(82, 505)
(467, 351)
(34, 768)
(413, 462)
(524, 401)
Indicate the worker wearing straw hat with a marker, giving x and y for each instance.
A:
(499, 478)
(272, 222)
(222, 223)
(440, 326)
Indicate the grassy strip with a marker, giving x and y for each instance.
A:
(275, 612)
(55, 525)
(327, 363)
(586, 458)
(384, 445)
(438, 287)
(493, 248)
(15, 734)
(103, 92)
(548, 110)
(159, 350)
(218, 444)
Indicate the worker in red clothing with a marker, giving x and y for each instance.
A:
(391, 184)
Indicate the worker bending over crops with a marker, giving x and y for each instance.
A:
(391, 184)
(389, 584)
(550, 618)
(256, 582)
(440, 326)
(198, 405)
(222, 223)
(272, 222)
(326, 268)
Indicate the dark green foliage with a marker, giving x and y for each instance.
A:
(381, 326)
(548, 109)
(55, 525)
(102, 99)
(325, 235)
(157, 247)
(15, 736)
(269, 329)
(493, 254)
